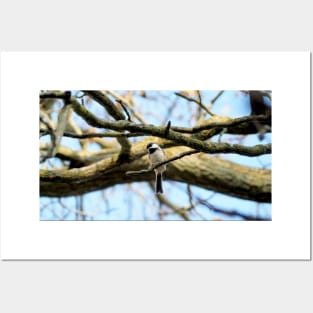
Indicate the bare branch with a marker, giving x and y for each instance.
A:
(176, 209)
(100, 135)
(216, 97)
(231, 212)
(125, 109)
(226, 123)
(173, 135)
(182, 95)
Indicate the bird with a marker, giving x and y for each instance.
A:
(157, 155)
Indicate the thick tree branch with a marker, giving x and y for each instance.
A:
(81, 157)
(200, 170)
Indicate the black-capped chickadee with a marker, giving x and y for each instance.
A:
(157, 155)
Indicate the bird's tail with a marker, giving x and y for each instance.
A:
(158, 183)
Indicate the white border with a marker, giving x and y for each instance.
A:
(23, 236)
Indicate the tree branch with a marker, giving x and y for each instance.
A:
(127, 104)
(100, 135)
(106, 102)
(176, 209)
(232, 212)
(163, 132)
(201, 170)
(233, 125)
(125, 109)
(225, 123)
(182, 95)
(216, 97)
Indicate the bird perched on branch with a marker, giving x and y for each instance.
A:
(157, 155)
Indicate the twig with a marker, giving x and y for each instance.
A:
(216, 97)
(179, 156)
(125, 110)
(189, 192)
(199, 96)
(231, 212)
(196, 101)
(176, 209)
(100, 135)
(118, 97)
(168, 126)
(77, 212)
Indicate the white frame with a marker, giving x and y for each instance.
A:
(24, 236)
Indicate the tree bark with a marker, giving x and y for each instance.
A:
(202, 170)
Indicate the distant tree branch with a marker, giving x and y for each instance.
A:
(246, 217)
(216, 97)
(186, 97)
(175, 208)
